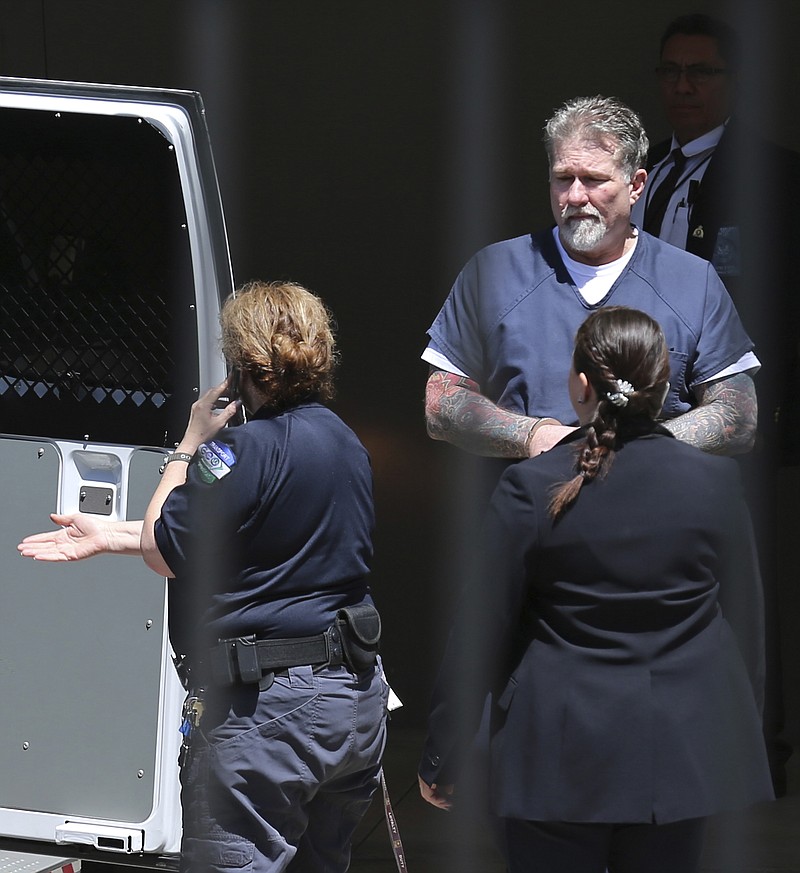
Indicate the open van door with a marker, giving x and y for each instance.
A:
(113, 263)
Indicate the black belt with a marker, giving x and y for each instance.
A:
(247, 659)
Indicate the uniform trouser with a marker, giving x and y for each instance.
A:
(279, 779)
(558, 847)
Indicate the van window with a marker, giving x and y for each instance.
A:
(97, 318)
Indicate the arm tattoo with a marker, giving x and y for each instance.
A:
(456, 411)
(724, 422)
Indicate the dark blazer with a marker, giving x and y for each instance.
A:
(743, 218)
(746, 176)
(621, 693)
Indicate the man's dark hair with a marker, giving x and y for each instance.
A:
(699, 24)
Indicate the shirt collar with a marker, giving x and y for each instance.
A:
(703, 143)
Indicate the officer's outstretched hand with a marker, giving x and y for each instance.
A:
(81, 536)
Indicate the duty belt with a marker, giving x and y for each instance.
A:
(352, 640)
(247, 659)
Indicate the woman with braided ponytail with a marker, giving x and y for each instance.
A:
(619, 612)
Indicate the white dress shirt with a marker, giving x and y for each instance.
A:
(698, 152)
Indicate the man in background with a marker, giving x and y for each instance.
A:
(723, 192)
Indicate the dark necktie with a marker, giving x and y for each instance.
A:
(657, 207)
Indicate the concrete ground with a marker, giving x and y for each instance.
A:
(763, 839)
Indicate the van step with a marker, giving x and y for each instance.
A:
(22, 862)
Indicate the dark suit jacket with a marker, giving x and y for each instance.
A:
(744, 219)
(624, 696)
(746, 174)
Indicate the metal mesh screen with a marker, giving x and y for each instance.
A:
(96, 289)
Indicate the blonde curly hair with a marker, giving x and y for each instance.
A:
(282, 335)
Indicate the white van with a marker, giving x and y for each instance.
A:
(113, 263)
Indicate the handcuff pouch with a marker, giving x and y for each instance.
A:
(360, 628)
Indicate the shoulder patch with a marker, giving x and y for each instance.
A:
(215, 461)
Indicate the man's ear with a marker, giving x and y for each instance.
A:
(637, 184)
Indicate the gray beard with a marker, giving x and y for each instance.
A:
(582, 236)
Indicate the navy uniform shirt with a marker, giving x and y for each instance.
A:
(272, 532)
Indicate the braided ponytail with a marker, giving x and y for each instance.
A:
(624, 356)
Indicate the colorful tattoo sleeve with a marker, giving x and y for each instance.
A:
(724, 422)
(456, 411)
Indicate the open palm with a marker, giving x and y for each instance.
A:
(79, 536)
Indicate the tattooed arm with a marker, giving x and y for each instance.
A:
(724, 422)
(456, 411)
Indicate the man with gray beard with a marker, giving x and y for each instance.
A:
(500, 347)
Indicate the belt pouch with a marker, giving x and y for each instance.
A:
(220, 662)
(361, 632)
(234, 661)
(245, 651)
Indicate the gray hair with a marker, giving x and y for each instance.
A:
(603, 120)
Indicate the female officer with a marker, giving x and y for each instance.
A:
(617, 565)
(264, 531)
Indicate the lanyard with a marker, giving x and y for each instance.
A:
(652, 186)
(394, 833)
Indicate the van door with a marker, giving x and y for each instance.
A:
(113, 263)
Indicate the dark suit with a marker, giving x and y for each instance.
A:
(744, 219)
(624, 696)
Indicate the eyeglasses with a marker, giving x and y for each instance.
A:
(696, 74)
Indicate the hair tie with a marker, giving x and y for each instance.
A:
(620, 396)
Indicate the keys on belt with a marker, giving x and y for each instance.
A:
(193, 708)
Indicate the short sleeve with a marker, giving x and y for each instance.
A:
(456, 332)
(723, 339)
(207, 511)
